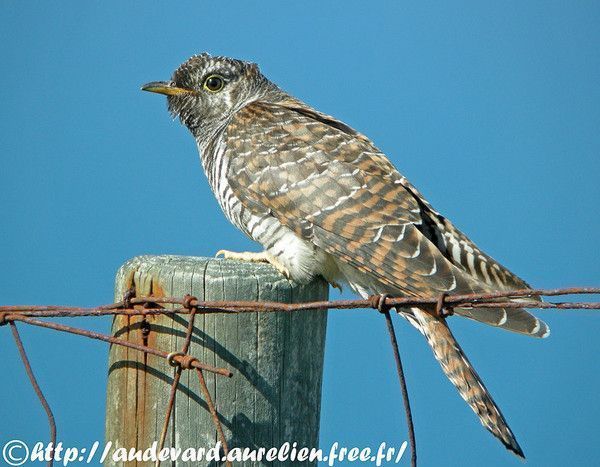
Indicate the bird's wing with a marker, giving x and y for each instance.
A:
(460, 250)
(331, 186)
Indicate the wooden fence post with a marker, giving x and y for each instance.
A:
(277, 359)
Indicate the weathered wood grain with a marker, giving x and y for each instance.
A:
(277, 359)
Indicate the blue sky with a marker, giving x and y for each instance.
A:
(492, 109)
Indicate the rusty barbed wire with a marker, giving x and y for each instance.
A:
(10, 317)
(176, 378)
(441, 305)
(36, 388)
(379, 303)
(488, 300)
(186, 364)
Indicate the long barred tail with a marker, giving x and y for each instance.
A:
(459, 370)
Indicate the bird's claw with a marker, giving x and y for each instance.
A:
(262, 257)
(243, 256)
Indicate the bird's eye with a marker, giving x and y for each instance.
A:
(214, 83)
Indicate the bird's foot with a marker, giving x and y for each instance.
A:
(244, 256)
(262, 257)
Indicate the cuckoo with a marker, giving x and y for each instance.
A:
(321, 199)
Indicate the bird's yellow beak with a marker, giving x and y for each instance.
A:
(167, 88)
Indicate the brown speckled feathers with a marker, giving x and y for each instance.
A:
(331, 186)
(323, 200)
(345, 196)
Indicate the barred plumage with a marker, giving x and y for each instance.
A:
(459, 370)
(323, 200)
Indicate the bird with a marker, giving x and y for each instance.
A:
(322, 200)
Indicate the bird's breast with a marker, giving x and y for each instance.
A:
(301, 257)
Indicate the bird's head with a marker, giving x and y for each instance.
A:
(205, 91)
